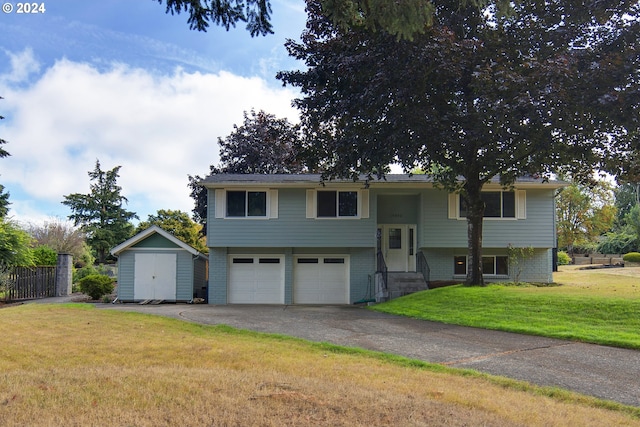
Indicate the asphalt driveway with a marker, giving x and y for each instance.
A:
(605, 372)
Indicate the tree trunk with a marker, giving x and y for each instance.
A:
(475, 215)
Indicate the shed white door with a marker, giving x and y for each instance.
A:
(256, 279)
(321, 280)
(154, 277)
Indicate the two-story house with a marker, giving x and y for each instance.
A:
(290, 239)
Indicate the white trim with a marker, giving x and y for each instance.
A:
(521, 204)
(220, 203)
(271, 203)
(312, 204)
(148, 232)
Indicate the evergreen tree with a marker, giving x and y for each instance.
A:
(100, 214)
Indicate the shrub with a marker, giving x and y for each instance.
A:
(45, 256)
(96, 285)
(618, 243)
(563, 258)
(631, 257)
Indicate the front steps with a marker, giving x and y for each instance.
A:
(400, 284)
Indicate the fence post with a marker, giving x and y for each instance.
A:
(63, 275)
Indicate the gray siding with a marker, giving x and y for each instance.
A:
(126, 271)
(291, 228)
(184, 276)
(537, 230)
(218, 276)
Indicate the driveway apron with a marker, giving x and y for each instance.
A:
(604, 372)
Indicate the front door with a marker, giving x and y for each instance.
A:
(398, 243)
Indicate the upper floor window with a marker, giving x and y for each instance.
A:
(246, 203)
(338, 203)
(332, 204)
(250, 203)
(498, 204)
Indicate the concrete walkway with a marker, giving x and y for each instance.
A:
(604, 372)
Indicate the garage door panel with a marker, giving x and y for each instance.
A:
(321, 280)
(256, 280)
(154, 276)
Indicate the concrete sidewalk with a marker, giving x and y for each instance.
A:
(604, 372)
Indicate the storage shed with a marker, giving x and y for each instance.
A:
(154, 265)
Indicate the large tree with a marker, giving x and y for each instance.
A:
(179, 224)
(100, 214)
(551, 86)
(404, 18)
(263, 144)
(584, 212)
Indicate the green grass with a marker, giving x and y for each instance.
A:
(568, 311)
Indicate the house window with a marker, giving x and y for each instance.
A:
(498, 204)
(332, 204)
(491, 265)
(246, 204)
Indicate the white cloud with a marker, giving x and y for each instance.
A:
(159, 128)
(23, 64)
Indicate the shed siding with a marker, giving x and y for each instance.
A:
(292, 228)
(126, 272)
(184, 276)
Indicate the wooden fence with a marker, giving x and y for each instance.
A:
(31, 283)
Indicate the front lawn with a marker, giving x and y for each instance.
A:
(74, 365)
(597, 306)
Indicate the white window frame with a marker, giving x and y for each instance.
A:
(271, 203)
(494, 275)
(520, 206)
(362, 204)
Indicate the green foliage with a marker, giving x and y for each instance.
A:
(180, 225)
(631, 257)
(584, 213)
(563, 258)
(618, 243)
(4, 202)
(89, 270)
(45, 256)
(202, 13)
(626, 196)
(6, 282)
(15, 245)
(100, 213)
(96, 285)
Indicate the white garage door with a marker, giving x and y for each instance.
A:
(154, 277)
(256, 279)
(321, 280)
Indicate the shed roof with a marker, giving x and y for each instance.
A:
(154, 229)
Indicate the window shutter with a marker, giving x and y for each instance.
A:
(364, 204)
(220, 202)
(521, 204)
(454, 200)
(311, 203)
(273, 204)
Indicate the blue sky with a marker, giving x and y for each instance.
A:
(125, 83)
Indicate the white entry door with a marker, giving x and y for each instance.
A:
(155, 277)
(399, 246)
